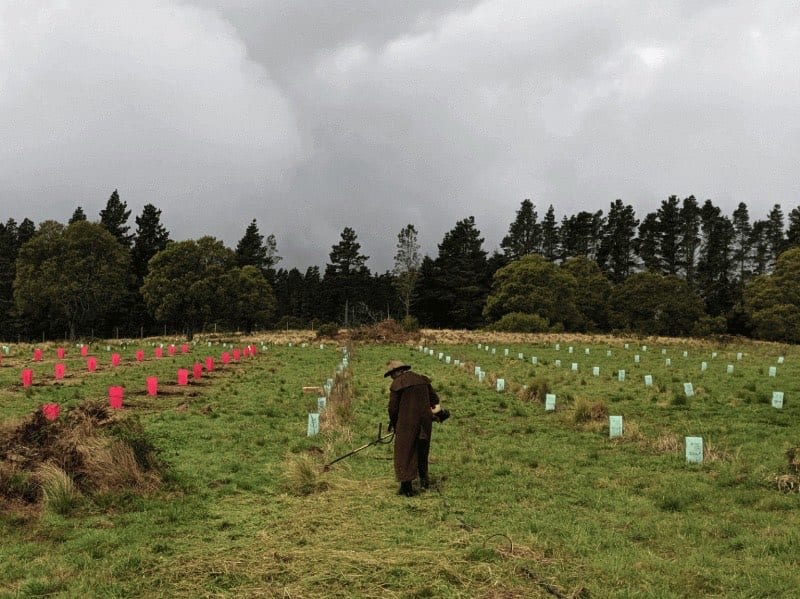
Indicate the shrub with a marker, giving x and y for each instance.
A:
(520, 322)
(329, 329)
(707, 326)
(410, 324)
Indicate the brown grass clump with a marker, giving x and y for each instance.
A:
(793, 457)
(85, 451)
(590, 411)
(787, 483)
(536, 391)
(339, 408)
(667, 443)
(302, 476)
(385, 331)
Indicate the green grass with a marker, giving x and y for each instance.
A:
(523, 500)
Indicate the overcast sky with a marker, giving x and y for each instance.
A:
(313, 115)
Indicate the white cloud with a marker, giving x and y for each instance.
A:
(157, 98)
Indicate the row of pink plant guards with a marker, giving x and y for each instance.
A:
(51, 411)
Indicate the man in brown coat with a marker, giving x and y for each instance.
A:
(411, 404)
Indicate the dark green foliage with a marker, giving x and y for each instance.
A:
(653, 304)
(520, 322)
(580, 235)
(114, 218)
(616, 254)
(79, 214)
(452, 289)
(524, 234)
(533, 285)
(75, 275)
(346, 280)
(773, 301)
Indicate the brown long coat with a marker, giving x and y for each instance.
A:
(411, 398)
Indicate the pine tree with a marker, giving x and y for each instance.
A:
(114, 218)
(742, 244)
(669, 225)
(580, 234)
(616, 254)
(78, 215)
(25, 231)
(648, 243)
(460, 271)
(689, 240)
(151, 237)
(715, 264)
(346, 277)
(793, 232)
(550, 235)
(524, 234)
(407, 261)
(759, 243)
(251, 250)
(775, 237)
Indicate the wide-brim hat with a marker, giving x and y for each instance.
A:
(395, 365)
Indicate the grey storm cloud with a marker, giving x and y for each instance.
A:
(310, 116)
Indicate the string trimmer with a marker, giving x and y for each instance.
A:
(380, 440)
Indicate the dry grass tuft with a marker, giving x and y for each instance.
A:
(302, 476)
(667, 443)
(590, 411)
(88, 450)
(712, 453)
(787, 483)
(59, 492)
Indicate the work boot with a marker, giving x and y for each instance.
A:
(406, 489)
(424, 482)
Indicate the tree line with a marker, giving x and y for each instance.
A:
(684, 269)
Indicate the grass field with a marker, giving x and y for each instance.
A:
(525, 502)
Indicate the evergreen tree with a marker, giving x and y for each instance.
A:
(429, 307)
(524, 234)
(79, 214)
(550, 235)
(670, 234)
(407, 261)
(715, 264)
(460, 275)
(114, 218)
(648, 243)
(776, 241)
(742, 243)
(592, 293)
(8, 256)
(616, 255)
(793, 232)
(580, 234)
(759, 242)
(689, 240)
(25, 231)
(151, 237)
(346, 278)
(250, 251)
